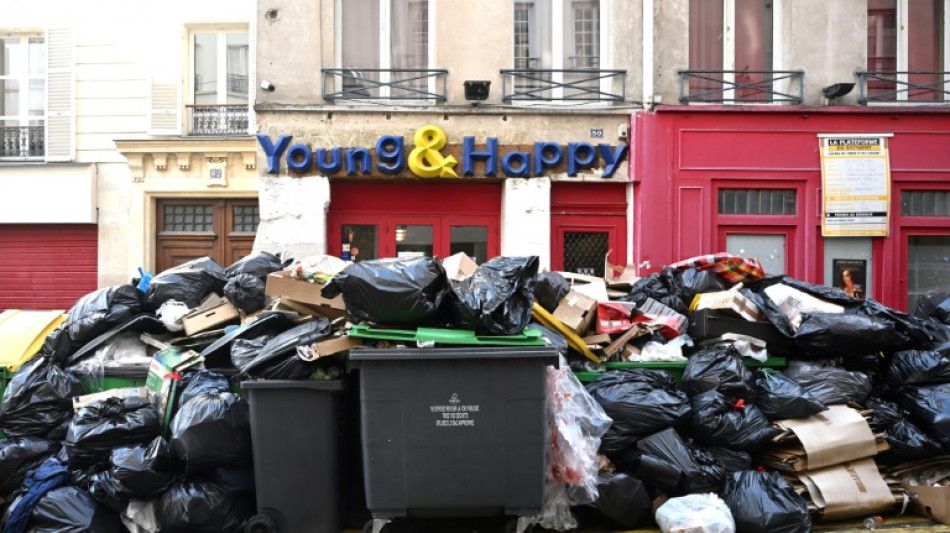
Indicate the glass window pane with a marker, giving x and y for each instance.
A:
(410, 33)
(37, 98)
(37, 56)
(582, 34)
(362, 239)
(705, 42)
(188, 218)
(413, 240)
(237, 67)
(924, 43)
(245, 218)
(206, 68)
(473, 240)
(757, 202)
(928, 266)
(882, 46)
(360, 34)
(10, 102)
(769, 249)
(12, 57)
(585, 253)
(925, 203)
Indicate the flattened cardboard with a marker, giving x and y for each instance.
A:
(576, 311)
(282, 285)
(591, 286)
(932, 502)
(213, 312)
(732, 300)
(852, 489)
(618, 277)
(833, 436)
(459, 266)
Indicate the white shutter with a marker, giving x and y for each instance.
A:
(60, 95)
(164, 106)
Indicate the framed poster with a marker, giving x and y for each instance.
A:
(855, 184)
(850, 275)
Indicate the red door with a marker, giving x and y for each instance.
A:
(588, 225)
(47, 266)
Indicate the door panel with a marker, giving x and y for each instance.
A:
(582, 244)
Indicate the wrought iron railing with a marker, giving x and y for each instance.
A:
(742, 86)
(539, 85)
(904, 86)
(231, 119)
(22, 142)
(384, 84)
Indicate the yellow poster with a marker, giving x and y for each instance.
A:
(855, 184)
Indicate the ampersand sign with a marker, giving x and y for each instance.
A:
(425, 160)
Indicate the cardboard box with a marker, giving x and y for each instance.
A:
(164, 373)
(854, 489)
(283, 285)
(213, 312)
(618, 277)
(332, 346)
(130, 392)
(577, 311)
(459, 266)
(731, 300)
(932, 502)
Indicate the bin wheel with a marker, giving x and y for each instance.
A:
(260, 523)
(368, 527)
(511, 526)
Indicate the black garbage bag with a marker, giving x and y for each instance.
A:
(623, 499)
(201, 507)
(676, 468)
(907, 441)
(915, 368)
(101, 426)
(258, 265)
(719, 421)
(404, 292)
(187, 283)
(640, 402)
(232, 478)
(91, 316)
(17, 457)
(135, 473)
(933, 306)
(218, 354)
(497, 298)
(697, 281)
(732, 460)
(720, 369)
(829, 384)
(665, 287)
(39, 399)
(212, 430)
(550, 289)
(203, 382)
(278, 358)
(764, 502)
(246, 292)
(553, 338)
(780, 398)
(929, 408)
(72, 510)
(842, 335)
(245, 351)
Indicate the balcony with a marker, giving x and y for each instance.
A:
(563, 85)
(231, 119)
(22, 142)
(743, 87)
(384, 84)
(903, 87)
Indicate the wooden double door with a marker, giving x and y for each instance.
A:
(220, 228)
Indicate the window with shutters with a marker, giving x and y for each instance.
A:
(22, 97)
(219, 90)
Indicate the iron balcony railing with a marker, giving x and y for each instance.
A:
(22, 142)
(230, 119)
(586, 85)
(742, 86)
(384, 84)
(904, 86)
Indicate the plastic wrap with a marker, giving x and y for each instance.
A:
(695, 513)
(497, 299)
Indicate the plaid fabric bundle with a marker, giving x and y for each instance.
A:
(732, 268)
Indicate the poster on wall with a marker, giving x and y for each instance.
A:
(850, 275)
(855, 184)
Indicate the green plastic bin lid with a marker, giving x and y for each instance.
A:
(529, 337)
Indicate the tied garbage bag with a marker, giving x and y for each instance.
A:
(203, 382)
(780, 398)
(695, 513)
(201, 507)
(914, 367)
(188, 283)
(623, 499)
(665, 287)
(246, 292)
(405, 292)
(640, 402)
(842, 334)
(720, 369)
(103, 425)
(550, 289)
(258, 265)
(212, 430)
(496, 299)
(278, 358)
(72, 510)
(907, 441)
(718, 421)
(829, 384)
(697, 281)
(732, 460)
(39, 399)
(763, 502)
(17, 457)
(676, 468)
(91, 316)
(135, 473)
(929, 408)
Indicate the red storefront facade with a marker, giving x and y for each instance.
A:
(748, 181)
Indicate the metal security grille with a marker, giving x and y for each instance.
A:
(757, 202)
(246, 218)
(585, 253)
(188, 218)
(925, 203)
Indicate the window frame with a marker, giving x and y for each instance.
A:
(221, 31)
(23, 79)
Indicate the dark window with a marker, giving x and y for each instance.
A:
(925, 203)
(757, 202)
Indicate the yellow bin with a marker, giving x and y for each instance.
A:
(22, 334)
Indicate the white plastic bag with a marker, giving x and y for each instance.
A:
(170, 314)
(695, 513)
(139, 517)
